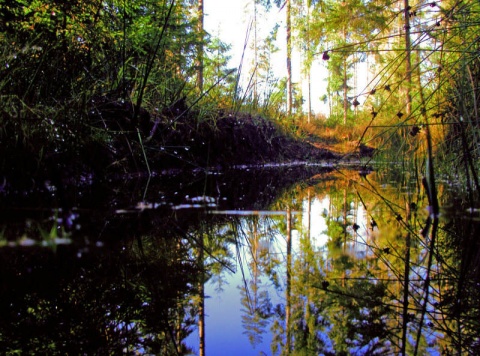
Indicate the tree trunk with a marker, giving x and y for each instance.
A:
(345, 87)
(255, 48)
(309, 83)
(201, 301)
(289, 59)
(309, 214)
(309, 69)
(288, 311)
(406, 282)
(408, 64)
(200, 30)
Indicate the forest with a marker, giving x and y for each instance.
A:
(130, 83)
(139, 167)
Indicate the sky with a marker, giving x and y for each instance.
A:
(229, 19)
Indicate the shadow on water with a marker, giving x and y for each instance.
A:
(291, 260)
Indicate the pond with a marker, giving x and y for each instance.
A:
(300, 259)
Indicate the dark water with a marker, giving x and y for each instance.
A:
(284, 260)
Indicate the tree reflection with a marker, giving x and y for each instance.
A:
(118, 301)
(211, 243)
(365, 291)
(255, 299)
(455, 285)
(360, 273)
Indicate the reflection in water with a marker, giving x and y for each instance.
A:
(336, 264)
(359, 279)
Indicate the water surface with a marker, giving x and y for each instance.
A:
(279, 260)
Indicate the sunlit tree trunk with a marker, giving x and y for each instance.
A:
(309, 68)
(345, 79)
(355, 81)
(330, 98)
(408, 65)
(289, 58)
(309, 97)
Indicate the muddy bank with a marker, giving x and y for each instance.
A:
(115, 142)
(233, 140)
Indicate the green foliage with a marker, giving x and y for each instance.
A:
(91, 74)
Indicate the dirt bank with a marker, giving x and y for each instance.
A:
(113, 143)
(232, 140)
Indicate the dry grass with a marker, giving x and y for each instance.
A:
(340, 139)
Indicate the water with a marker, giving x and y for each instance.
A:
(293, 260)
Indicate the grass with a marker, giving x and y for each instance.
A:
(337, 138)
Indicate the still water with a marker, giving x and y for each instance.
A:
(285, 260)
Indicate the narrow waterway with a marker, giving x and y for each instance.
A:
(254, 261)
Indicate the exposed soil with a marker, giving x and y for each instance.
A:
(234, 140)
(177, 138)
(129, 144)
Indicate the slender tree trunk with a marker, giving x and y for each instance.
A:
(255, 249)
(255, 48)
(288, 310)
(289, 59)
(309, 214)
(345, 220)
(329, 94)
(345, 87)
(200, 30)
(355, 81)
(307, 267)
(344, 232)
(406, 282)
(201, 301)
(309, 69)
(408, 63)
(345, 98)
(309, 83)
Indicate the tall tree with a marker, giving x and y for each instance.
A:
(200, 50)
(288, 28)
(288, 21)
(346, 28)
(307, 60)
(408, 61)
(258, 46)
(266, 75)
